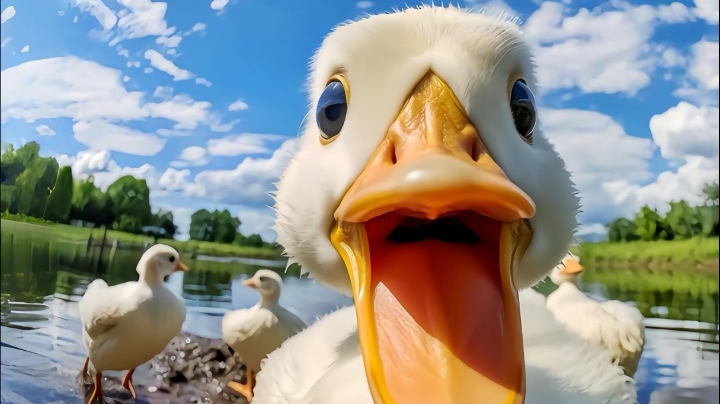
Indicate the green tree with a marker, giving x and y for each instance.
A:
(711, 193)
(622, 230)
(34, 185)
(683, 220)
(90, 204)
(129, 199)
(651, 226)
(201, 226)
(9, 198)
(216, 226)
(163, 220)
(60, 200)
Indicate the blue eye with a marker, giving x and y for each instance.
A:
(524, 109)
(331, 110)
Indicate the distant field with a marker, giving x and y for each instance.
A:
(198, 247)
(696, 253)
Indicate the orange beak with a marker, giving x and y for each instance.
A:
(180, 267)
(251, 283)
(431, 233)
(571, 266)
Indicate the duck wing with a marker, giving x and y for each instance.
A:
(102, 307)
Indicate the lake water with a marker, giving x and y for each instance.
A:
(43, 278)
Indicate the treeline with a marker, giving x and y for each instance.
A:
(34, 186)
(682, 221)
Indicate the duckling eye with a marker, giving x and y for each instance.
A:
(524, 109)
(331, 110)
(172, 259)
(263, 279)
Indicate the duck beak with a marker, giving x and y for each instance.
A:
(571, 266)
(180, 267)
(251, 283)
(431, 233)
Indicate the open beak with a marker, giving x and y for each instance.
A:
(251, 283)
(571, 266)
(180, 267)
(431, 233)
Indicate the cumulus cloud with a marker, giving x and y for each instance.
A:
(621, 60)
(203, 81)
(199, 27)
(364, 4)
(100, 11)
(703, 78)
(44, 130)
(169, 42)
(597, 150)
(218, 4)
(141, 18)
(238, 105)
(124, 52)
(7, 14)
(191, 156)
(708, 10)
(686, 131)
(25, 49)
(86, 91)
(242, 144)
(105, 170)
(102, 135)
(158, 61)
(5, 42)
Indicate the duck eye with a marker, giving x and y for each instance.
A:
(524, 109)
(263, 279)
(172, 259)
(331, 110)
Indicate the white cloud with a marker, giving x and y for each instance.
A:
(174, 180)
(251, 179)
(705, 66)
(191, 156)
(199, 27)
(141, 18)
(61, 13)
(257, 221)
(75, 19)
(100, 11)
(163, 92)
(597, 150)
(159, 62)
(102, 135)
(686, 131)
(203, 81)
(243, 144)
(238, 105)
(622, 57)
(5, 42)
(182, 109)
(219, 4)
(25, 49)
(126, 79)
(148, 70)
(708, 10)
(169, 42)
(124, 52)
(364, 4)
(7, 14)
(44, 130)
(135, 64)
(171, 52)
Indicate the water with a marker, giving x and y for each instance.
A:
(43, 277)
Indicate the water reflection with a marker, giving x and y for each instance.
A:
(43, 278)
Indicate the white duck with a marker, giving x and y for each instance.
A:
(255, 332)
(128, 324)
(613, 325)
(423, 188)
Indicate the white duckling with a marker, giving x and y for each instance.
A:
(614, 325)
(128, 324)
(423, 187)
(255, 332)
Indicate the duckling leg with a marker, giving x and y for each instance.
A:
(127, 382)
(84, 370)
(247, 388)
(97, 390)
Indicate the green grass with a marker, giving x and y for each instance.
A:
(702, 252)
(82, 234)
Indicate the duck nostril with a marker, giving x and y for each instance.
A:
(393, 156)
(477, 150)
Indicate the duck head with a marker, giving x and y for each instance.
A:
(267, 283)
(567, 270)
(158, 262)
(424, 187)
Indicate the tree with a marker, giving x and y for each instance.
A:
(129, 199)
(34, 185)
(90, 204)
(683, 220)
(9, 198)
(216, 226)
(622, 230)
(60, 200)
(651, 226)
(163, 221)
(201, 226)
(712, 193)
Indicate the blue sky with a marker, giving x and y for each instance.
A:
(199, 96)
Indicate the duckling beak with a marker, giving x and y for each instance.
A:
(251, 283)
(571, 266)
(180, 267)
(431, 233)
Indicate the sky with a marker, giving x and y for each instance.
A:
(205, 98)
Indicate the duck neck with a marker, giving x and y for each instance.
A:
(151, 278)
(270, 300)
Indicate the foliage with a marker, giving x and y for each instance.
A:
(129, 203)
(59, 202)
(216, 226)
(90, 204)
(161, 225)
(681, 222)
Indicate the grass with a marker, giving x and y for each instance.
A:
(695, 252)
(197, 247)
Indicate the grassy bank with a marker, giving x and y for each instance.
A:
(82, 234)
(697, 253)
